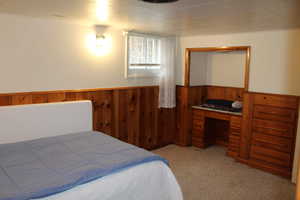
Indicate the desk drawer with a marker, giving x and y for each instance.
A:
(199, 133)
(270, 156)
(272, 142)
(235, 122)
(198, 114)
(198, 122)
(216, 115)
(272, 113)
(273, 128)
(234, 139)
(276, 100)
(233, 146)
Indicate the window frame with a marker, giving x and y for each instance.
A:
(127, 54)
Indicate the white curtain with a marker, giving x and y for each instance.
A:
(167, 88)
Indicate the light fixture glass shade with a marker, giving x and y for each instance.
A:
(100, 41)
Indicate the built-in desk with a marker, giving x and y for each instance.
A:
(216, 127)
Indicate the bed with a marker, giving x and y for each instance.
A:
(33, 133)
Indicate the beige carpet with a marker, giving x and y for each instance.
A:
(211, 175)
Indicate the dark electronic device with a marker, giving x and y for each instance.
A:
(218, 104)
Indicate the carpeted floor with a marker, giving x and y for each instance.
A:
(211, 175)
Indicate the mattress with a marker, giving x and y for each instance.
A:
(47, 166)
(148, 181)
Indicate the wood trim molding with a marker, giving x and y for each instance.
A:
(219, 49)
(187, 68)
(76, 90)
(188, 52)
(247, 69)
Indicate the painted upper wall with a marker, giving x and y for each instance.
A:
(39, 54)
(218, 68)
(275, 63)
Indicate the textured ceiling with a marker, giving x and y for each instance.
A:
(185, 17)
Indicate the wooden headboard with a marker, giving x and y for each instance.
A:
(28, 122)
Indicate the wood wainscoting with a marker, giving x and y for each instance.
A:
(130, 114)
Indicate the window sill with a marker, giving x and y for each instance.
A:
(141, 76)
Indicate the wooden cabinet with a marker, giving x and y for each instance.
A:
(264, 137)
(204, 130)
(273, 127)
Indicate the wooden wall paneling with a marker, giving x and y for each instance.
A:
(148, 118)
(130, 114)
(227, 93)
(156, 128)
(135, 116)
(246, 126)
(215, 92)
(98, 106)
(234, 94)
(116, 115)
(162, 114)
(179, 110)
(196, 95)
(107, 112)
(144, 137)
(183, 117)
(166, 126)
(92, 96)
(103, 111)
(123, 119)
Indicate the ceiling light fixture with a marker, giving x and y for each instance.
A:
(159, 1)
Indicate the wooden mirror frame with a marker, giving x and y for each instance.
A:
(188, 52)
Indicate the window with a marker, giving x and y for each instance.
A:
(143, 55)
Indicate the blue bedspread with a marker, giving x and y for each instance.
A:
(42, 167)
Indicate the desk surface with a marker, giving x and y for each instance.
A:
(215, 110)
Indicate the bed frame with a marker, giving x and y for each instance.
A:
(28, 122)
